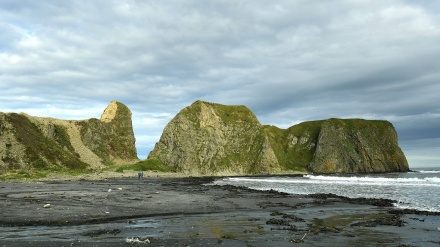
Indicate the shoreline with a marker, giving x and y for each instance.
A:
(174, 211)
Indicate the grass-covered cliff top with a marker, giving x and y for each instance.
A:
(228, 113)
(295, 146)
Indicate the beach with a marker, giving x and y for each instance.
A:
(192, 211)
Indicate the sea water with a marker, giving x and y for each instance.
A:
(419, 189)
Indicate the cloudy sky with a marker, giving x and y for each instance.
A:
(288, 61)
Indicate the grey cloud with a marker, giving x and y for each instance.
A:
(288, 61)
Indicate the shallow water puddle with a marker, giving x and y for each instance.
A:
(241, 225)
(203, 226)
(242, 228)
(345, 219)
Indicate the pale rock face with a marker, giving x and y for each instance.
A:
(208, 117)
(299, 140)
(294, 140)
(304, 138)
(109, 112)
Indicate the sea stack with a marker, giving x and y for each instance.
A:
(213, 139)
(339, 146)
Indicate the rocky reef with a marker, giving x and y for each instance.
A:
(28, 142)
(213, 139)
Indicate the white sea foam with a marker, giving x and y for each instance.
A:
(312, 179)
(429, 171)
(412, 190)
(427, 181)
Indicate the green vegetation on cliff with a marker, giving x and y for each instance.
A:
(41, 152)
(32, 146)
(202, 139)
(358, 146)
(112, 136)
(210, 138)
(295, 146)
(338, 145)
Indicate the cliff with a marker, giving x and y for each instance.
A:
(28, 142)
(207, 138)
(339, 146)
(214, 139)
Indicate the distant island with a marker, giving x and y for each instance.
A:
(202, 139)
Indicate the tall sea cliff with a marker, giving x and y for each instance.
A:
(202, 139)
(214, 139)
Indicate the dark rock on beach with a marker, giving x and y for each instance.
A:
(370, 201)
(392, 220)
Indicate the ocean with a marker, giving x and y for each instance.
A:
(419, 189)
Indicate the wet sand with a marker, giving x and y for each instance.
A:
(167, 211)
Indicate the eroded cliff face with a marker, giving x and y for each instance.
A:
(339, 146)
(214, 139)
(111, 138)
(357, 146)
(28, 142)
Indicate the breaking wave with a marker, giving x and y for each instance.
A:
(416, 190)
(427, 181)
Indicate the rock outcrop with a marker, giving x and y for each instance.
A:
(339, 146)
(28, 142)
(214, 139)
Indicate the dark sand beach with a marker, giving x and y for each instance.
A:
(167, 211)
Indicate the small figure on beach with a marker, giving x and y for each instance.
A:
(140, 175)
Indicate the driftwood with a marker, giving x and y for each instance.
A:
(299, 240)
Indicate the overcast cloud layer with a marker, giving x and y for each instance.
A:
(288, 61)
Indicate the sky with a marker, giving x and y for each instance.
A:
(288, 61)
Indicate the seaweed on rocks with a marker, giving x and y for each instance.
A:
(293, 218)
(324, 229)
(365, 201)
(393, 220)
(413, 211)
(280, 222)
(289, 217)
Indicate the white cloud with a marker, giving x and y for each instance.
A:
(288, 61)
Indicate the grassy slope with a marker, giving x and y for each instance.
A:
(43, 152)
